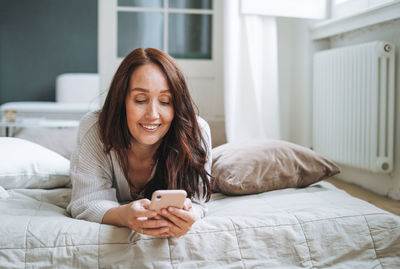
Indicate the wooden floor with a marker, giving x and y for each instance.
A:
(378, 200)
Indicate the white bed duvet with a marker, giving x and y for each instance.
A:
(314, 227)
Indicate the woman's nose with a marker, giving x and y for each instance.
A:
(152, 111)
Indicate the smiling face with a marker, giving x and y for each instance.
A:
(149, 108)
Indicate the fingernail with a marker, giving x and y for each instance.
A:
(170, 209)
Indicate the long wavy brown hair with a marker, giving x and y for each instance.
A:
(180, 156)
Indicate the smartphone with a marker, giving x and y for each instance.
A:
(166, 198)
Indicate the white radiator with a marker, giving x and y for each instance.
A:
(353, 105)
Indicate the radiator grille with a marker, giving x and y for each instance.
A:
(353, 105)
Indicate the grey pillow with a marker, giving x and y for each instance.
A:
(62, 141)
(264, 165)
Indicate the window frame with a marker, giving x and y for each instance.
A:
(204, 76)
(166, 11)
(108, 50)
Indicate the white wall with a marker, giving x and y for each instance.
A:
(285, 51)
(295, 66)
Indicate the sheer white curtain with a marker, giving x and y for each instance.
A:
(251, 64)
(250, 75)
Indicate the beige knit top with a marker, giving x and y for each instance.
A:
(98, 182)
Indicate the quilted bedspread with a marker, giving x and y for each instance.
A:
(314, 227)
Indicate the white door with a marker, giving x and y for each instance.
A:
(189, 30)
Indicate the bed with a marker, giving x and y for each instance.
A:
(318, 226)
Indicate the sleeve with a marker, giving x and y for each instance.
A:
(198, 203)
(93, 193)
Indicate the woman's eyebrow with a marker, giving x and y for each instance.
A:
(145, 90)
(139, 89)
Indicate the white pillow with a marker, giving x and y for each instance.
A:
(3, 193)
(24, 164)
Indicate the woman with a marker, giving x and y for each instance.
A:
(145, 138)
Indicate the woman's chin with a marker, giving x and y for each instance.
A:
(149, 142)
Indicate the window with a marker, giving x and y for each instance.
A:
(190, 30)
(183, 28)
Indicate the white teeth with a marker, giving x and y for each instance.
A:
(150, 127)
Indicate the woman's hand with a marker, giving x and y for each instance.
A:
(138, 217)
(145, 221)
(181, 220)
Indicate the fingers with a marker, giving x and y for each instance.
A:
(140, 208)
(180, 220)
(184, 215)
(153, 224)
(154, 227)
(175, 219)
(169, 222)
(166, 234)
(142, 203)
(163, 231)
(188, 204)
(145, 221)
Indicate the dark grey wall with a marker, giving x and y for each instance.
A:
(40, 39)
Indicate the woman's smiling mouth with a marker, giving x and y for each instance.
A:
(150, 127)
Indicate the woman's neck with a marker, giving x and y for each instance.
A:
(141, 162)
(143, 153)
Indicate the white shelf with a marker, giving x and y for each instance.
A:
(40, 123)
(36, 122)
(374, 15)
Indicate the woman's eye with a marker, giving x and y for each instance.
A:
(165, 101)
(140, 101)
